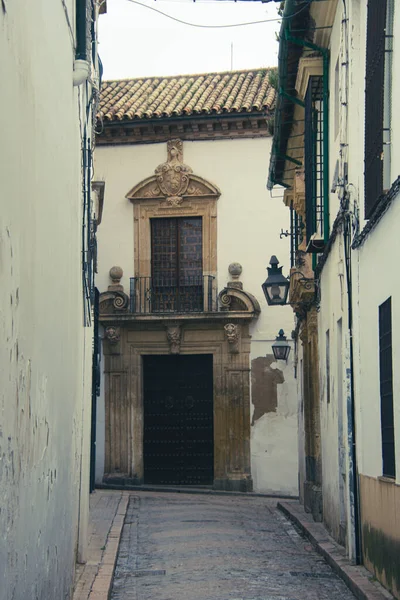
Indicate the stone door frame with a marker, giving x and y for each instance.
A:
(231, 400)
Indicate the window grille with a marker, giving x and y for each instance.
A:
(374, 103)
(314, 164)
(89, 244)
(177, 264)
(386, 388)
(296, 234)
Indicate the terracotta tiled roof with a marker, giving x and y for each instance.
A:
(184, 95)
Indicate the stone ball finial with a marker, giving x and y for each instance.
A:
(235, 270)
(116, 274)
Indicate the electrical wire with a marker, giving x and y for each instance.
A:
(68, 22)
(218, 26)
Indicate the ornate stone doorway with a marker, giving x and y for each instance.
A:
(127, 347)
(178, 431)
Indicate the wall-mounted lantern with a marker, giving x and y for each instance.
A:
(305, 290)
(276, 286)
(280, 347)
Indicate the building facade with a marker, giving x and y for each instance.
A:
(335, 146)
(47, 108)
(191, 393)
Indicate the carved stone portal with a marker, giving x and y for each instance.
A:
(124, 397)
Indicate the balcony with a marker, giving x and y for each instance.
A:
(166, 298)
(155, 295)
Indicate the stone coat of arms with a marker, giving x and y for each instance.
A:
(173, 175)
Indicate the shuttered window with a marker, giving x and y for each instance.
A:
(374, 103)
(177, 265)
(176, 257)
(386, 388)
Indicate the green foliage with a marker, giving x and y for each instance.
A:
(273, 78)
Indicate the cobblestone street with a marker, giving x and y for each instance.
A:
(210, 547)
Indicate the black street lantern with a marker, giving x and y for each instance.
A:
(276, 286)
(280, 347)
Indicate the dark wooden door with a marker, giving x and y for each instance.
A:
(178, 420)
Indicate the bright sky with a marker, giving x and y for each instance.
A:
(136, 41)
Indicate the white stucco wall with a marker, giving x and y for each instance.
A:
(249, 223)
(45, 354)
(376, 285)
(333, 405)
(372, 282)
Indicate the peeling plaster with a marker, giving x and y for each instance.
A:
(264, 381)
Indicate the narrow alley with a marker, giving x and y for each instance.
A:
(211, 547)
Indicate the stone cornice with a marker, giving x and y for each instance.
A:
(245, 125)
(225, 317)
(308, 67)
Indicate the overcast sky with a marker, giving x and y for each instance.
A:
(136, 41)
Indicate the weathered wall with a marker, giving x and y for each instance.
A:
(45, 353)
(381, 530)
(301, 446)
(382, 244)
(249, 223)
(274, 457)
(333, 400)
(379, 499)
(372, 284)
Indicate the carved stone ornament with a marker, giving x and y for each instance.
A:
(113, 302)
(116, 274)
(312, 322)
(303, 335)
(113, 334)
(174, 333)
(232, 334)
(173, 175)
(235, 270)
(233, 298)
(173, 181)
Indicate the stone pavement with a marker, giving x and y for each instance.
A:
(358, 579)
(107, 513)
(192, 547)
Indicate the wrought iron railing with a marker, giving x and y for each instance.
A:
(149, 295)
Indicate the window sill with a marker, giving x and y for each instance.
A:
(386, 479)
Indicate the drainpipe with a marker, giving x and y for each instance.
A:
(81, 63)
(352, 436)
(353, 483)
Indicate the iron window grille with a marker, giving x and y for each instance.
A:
(314, 164)
(296, 234)
(386, 389)
(89, 244)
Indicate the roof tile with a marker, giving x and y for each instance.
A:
(185, 95)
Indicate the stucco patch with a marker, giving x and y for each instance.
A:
(264, 381)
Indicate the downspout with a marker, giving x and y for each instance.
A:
(352, 437)
(81, 62)
(353, 483)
